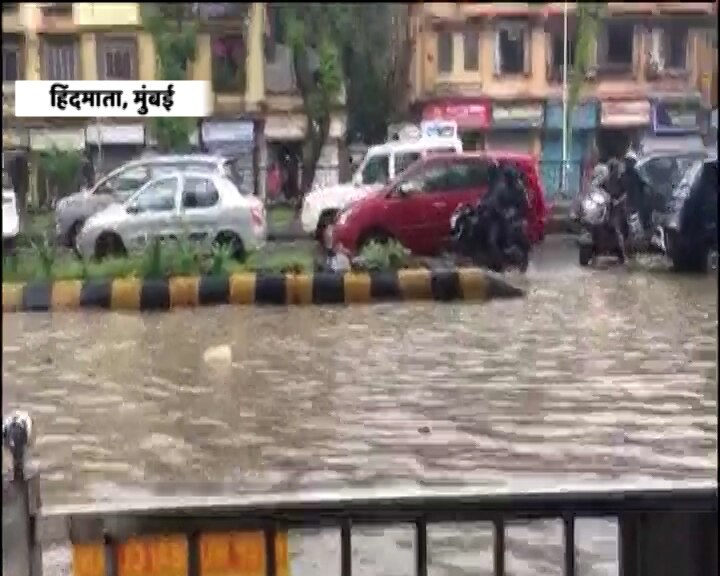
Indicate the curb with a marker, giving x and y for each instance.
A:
(259, 289)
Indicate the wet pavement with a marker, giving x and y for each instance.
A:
(599, 375)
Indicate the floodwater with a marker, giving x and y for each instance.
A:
(598, 375)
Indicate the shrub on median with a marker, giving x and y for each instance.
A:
(43, 262)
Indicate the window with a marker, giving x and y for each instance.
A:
(615, 46)
(555, 68)
(199, 193)
(445, 51)
(117, 59)
(376, 171)
(471, 50)
(240, 175)
(511, 55)
(12, 61)
(158, 196)
(405, 159)
(60, 58)
(228, 64)
(127, 181)
(674, 47)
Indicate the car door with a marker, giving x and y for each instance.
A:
(153, 213)
(199, 207)
(406, 215)
(464, 181)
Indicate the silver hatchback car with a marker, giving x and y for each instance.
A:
(72, 211)
(203, 207)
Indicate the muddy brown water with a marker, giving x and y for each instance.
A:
(598, 375)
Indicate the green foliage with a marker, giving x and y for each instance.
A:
(389, 255)
(45, 254)
(589, 17)
(174, 34)
(152, 261)
(62, 169)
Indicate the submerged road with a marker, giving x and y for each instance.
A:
(597, 375)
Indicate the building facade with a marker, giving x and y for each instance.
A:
(497, 70)
(99, 41)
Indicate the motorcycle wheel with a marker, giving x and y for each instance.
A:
(585, 254)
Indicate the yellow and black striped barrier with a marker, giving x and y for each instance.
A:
(260, 289)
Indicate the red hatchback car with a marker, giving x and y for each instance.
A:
(416, 207)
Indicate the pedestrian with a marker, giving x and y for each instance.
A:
(20, 177)
(88, 170)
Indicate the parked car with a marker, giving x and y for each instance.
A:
(203, 206)
(688, 230)
(381, 164)
(11, 218)
(415, 209)
(72, 211)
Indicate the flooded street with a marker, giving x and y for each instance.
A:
(599, 375)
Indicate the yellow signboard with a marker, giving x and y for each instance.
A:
(221, 554)
(240, 554)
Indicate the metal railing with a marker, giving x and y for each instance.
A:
(663, 530)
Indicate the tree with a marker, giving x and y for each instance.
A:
(363, 49)
(174, 30)
(589, 17)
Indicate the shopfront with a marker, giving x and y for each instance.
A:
(111, 145)
(515, 127)
(472, 117)
(623, 123)
(675, 126)
(583, 123)
(235, 138)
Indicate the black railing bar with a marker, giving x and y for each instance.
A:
(86, 529)
(569, 548)
(346, 547)
(616, 498)
(193, 554)
(111, 556)
(499, 547)
(270, 556)
(421, 547)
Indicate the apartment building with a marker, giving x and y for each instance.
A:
(106, 41)
(497, 70)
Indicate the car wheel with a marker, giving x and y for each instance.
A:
(73, 236)
(585, 254)
(326, 218)
(689, 257)
(109, 245)
(233, 243)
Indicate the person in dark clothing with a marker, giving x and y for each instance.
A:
(637, 190)
(20, 177)
(88, 170)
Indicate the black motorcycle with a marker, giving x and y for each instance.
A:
(495, 240)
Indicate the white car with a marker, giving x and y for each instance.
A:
(381, 164)
(206, 208)
(11, 218)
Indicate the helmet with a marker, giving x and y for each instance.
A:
(600, 173)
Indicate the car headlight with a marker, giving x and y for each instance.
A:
(588, 204)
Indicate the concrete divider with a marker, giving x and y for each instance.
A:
(259, 289)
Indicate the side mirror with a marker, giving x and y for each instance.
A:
(408, 187)
(132, 209)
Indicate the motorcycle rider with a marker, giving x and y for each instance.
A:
(637, 190)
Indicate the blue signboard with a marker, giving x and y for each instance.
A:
(674, 118)
(584, 116)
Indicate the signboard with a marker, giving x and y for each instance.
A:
(467, 114)
(233, 131)
(625, 114)
(220, 554)
(674, 118)
(517, 116)
(439, 129)
(584, 116)
(61, 138)
(115, 134)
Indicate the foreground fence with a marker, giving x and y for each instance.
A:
(662, 531)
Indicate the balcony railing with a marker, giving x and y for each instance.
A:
(664, 529)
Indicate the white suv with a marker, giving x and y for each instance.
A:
(381, 164)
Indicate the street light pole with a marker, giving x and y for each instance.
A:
(565, 100)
